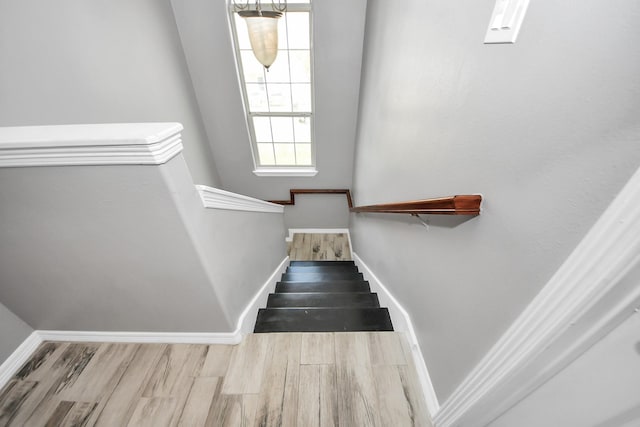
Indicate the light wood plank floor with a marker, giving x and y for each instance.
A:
(320, 247)
(284, 379)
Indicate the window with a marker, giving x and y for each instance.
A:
(279, 102)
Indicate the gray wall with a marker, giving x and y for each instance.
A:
(546, 129)
(338, 38)
(238, 250)
(13, 331)
(99, 61)
(318, 211)
(601, 388)
(120, 248)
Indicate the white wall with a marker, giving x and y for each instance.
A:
(13, 331)
(128, 248)
(545, 129)
(601, 388)
(338, 35)
(99, 61)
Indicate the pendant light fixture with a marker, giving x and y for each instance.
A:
(263, 29)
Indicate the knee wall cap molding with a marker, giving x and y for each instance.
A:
(214, 198)
(93, 144)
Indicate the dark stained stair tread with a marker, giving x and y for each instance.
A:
(321, 263)
(322, 269)
(317, 299)
(322, 320)
(333, 286)
(321, 277)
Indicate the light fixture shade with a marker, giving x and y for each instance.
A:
(263, 34)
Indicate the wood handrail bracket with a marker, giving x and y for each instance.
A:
(452, 205)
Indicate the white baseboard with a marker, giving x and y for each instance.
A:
(593, 291)
(142, 337)
(402, 323)
(21, 354)
(247, 319)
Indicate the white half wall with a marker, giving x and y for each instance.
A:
(127, 247)
(18, 354)
(101, 248)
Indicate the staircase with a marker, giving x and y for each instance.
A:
(322, 296)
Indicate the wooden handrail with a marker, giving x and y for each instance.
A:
(293, 192)
(452, 205)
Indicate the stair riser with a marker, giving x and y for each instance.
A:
(323, 320)
(336, 300)
(318, 269)
(322, 287)
(320, 277)
(320, 263)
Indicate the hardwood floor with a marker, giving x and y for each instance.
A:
(281, 379)
(320, 247)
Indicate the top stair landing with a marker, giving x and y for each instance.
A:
(320, 247)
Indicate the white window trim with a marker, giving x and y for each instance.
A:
(285, 171)
(276, 170)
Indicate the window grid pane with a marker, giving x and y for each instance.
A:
(302, 129)
(267, 157)
(279, 97)
(282, 129)
(303, 154)
(285, 154)
(262, 128)
(280, 140)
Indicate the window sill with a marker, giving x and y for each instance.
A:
(308, 171)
